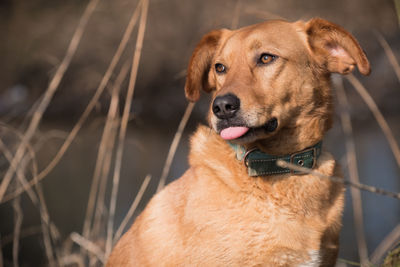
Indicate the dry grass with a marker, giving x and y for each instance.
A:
(174, 146)
(132, 209)
(43, 104)
(377, 114)
(353, 170)
(100, 171)
(124, 124)
(93, 246)
(386, 245)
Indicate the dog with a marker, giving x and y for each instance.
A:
(271, 100)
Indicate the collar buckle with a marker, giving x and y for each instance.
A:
(314, 155)
(245, 162)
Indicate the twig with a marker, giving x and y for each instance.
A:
(174, 145)
(33, 230)
(105, 139)
(124, 124)
(132, 209)
(72, 259)
(53, 85)
(111, 128)
(87, 111)
(353, 263)
(363, 187)
(46, 136)
(18, 215)
(377, 114)
(88, 245)
(36, 200)
(353, 172)
(389, 53)
(100, 204)
(385, 245)
(45, 222)
(19, 171)
(44, 214)
(397, 6)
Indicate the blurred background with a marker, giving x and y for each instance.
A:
(44, 225)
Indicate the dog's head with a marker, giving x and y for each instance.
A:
(271, 81)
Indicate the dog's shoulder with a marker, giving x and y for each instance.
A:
(212, 157)
(205, 143)
(156, 230)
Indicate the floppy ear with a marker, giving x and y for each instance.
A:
(334, 48)
(200, 63)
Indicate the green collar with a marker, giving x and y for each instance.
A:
(259, 163)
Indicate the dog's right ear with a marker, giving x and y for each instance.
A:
(200, 63)
(334, 48)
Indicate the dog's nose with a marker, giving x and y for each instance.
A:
(225, 107)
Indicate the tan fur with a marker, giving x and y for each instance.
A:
(215, 214)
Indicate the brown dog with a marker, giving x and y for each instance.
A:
(234, 206)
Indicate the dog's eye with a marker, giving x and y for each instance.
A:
(220, 68)
(266, 58)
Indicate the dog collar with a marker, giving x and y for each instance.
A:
(259, 163)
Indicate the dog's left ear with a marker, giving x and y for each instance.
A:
(334, 48)
(199, 66)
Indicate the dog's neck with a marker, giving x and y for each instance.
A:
(307, 128)
(292, 139)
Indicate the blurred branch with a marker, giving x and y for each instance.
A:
(37, 200)
(46, 229)
(336, 179)
(19, 170)
(85, 114)
(33, 230)
(389, 53)
(133, 207)
(174, 145)
(377, 114)
(110, 129)
(353, 171)
(72, 259)
(107, 137)
(352, 263)
(88, 245)
(124, 124)
(46, 136)
(53, 85)
(18, 215)
(397, 7)
(386, 244)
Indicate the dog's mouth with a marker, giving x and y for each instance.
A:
(244, 133)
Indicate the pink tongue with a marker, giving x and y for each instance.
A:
(233, 132)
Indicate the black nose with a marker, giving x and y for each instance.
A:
(225, 107)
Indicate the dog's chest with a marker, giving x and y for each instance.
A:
(251, 232)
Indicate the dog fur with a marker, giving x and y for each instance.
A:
(215, 214)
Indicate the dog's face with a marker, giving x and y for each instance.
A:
(270, 81)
